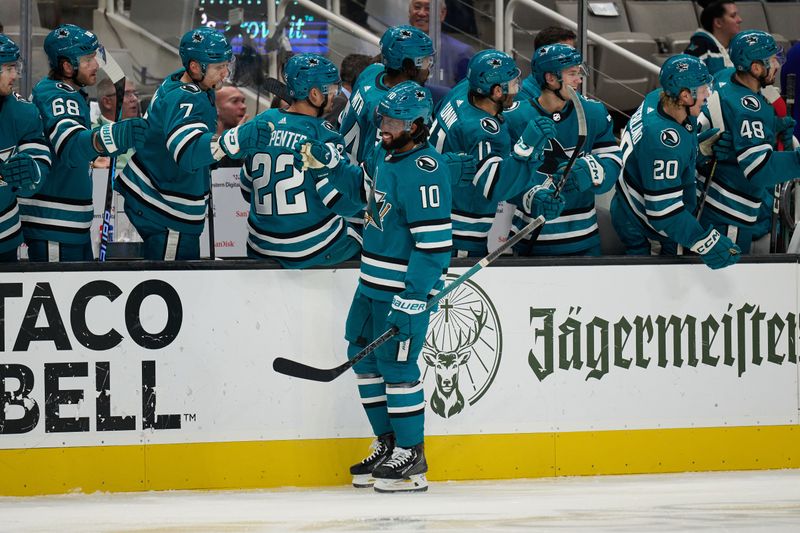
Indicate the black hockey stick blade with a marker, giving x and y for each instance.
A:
(297, 369)
(279, 89)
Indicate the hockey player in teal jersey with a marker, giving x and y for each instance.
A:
(407, 54)
(24, 153)
(575, 231)
(167, 181)
(56, 220)
(653, 208)
(736, 191)
(475, 125)
(295, 219)
(407, 242)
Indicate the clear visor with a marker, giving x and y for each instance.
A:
(333, 89)
(228, 66)
(16, 67)
(576, 71)
(513, 87)
(425, 63)
(393, 126)
(775, 62)
(88, 59)
(701, 94)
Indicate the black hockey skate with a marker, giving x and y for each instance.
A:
(404, 471)
(381, 448)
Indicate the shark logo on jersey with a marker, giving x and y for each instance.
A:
(328, 126)
(427, 163)
(556, 117)
(464, 339)
(64, 87)
(751, 102)
(554, 155)
(377, 209)
(6, 153)
(670, 138)
(490, 125)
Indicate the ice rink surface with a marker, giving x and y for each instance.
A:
(726, 501)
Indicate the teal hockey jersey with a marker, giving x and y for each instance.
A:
(460, 126)
(293, 218)
(657, 183)
(576, 230)
(62, 209)
(358, 121)
(21, 130)
(736, 192)
(165, 181)
(407, 230)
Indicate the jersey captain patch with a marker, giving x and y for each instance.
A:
(427, 163)
(670, 138)
(490, 125)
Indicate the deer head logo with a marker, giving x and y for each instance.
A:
(447, 399)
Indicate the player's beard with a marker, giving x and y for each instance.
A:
(397, 142)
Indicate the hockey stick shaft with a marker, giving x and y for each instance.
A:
(212, 246)
(582, 133)
(297, 369)
(114, 72)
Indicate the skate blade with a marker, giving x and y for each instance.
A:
(415, 483)
(363, 481)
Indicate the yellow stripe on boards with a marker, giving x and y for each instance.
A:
(309, 463)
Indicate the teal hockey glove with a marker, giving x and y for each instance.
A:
(408, 316)
(462, 168)
(534, 139)
(586, 173)
(237, 142)
(784, 128)
(119, 137)
(21, 172)
(542, 200)
(716, 250)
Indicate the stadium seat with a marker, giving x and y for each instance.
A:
(569, 8)
(662, 20)
(619, 83)
(784, 19)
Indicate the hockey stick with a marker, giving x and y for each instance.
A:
(775, 227)
(297, 369)
(212, 251)
(580, 114)
(114, 72)
(278, 88)
(715, 109)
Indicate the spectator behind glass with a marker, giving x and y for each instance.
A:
(452, 56)
(231, 107)
(231, 112)
(720, 22)
(107, 102)
(554, 35)
(352, 66)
